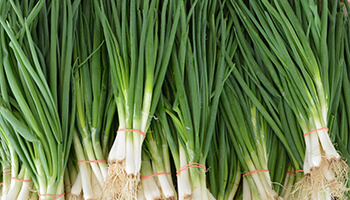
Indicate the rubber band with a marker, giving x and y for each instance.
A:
(17, 179)
(7, 170)
(324, 128)
(299, 170)
(133, 130)
(68, 185)
(253, 172)
(92, 161)
(294, 174)
(50, 195)
(149, 176)
(1, 183)
(186, 167)
(6, 173)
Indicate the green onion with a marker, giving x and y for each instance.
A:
(138, 54)
(304, 82)
(41, 126)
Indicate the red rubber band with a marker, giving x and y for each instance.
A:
(17, 179)
(294, 174)
(253, 172)
(133, 130)
(68, 185)
(1, 183)
(315, 131)
(6, 173)
(186, 167)
(92, 161)
(49, 195)
(7, 170)
(149, 176)
(299, 170)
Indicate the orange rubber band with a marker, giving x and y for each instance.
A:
(92, 161)
(133, 130)
(6, 173)
(186, 167)
(7, 170)
(253, 172)
(149, 176)
(1, 183)
(17, 179)
(49, 195)
(315, 131)
(294, 174)
(68, 185)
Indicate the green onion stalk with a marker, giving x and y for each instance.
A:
(5, 154)
(251, 138)
(156, 161)
(290, 125)
(36, 94)
(196, 76)
(14, 171)
(303, 64)
(70, 175)
(225, 170)
(170, 125)
(342, 118)
(91, 76)
(139, 36)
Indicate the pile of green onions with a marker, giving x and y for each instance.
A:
(174, 99)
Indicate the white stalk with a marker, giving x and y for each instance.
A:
(5, 187)
(288, 186)
(118, 153)
(41, 177)
(97, 189)
(15, 186)
(140, 194)
(246, 190)
(203, 188)
(77, 186)
(130, 164)
(326, 142)
(138, 140)
(90, 154)
(99, 155)
(235, 184)
(137, 145)
(26, 187)
(60, 189)
(306, 166)
(184, 182)
(315, 156)
(14, 191)
(164, 183)
(150, 189)
(85, 177)
(210, 195)
(167, 188)
(84, 169)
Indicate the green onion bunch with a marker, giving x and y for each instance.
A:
(156, 169)
(174, 99)
(304, 74)
(95, 104)
(37, 112)
(139, 37)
